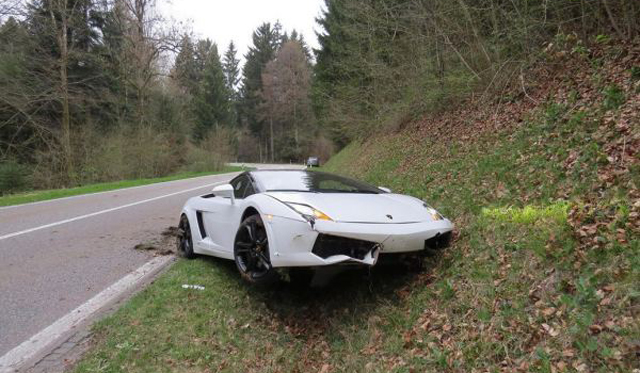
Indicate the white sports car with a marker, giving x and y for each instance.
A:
(269, 219)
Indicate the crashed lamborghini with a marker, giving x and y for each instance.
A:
(266, 220)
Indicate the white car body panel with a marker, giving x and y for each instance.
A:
(361, 208)
(292, 237)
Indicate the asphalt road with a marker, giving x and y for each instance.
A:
(55, 255)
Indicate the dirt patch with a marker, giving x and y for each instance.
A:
(171, 232)
(163, 245)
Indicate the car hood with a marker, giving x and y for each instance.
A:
(381, 208)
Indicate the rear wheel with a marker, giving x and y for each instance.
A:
(251, 252)
(185, 241)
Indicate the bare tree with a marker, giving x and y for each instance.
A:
(60, 14)
(145, 40)
(11, 8)
(286, 87)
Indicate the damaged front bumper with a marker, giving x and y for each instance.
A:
(296, 243)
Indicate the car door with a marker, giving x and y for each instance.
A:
(218, 219)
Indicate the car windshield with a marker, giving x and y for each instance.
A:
(313, 182)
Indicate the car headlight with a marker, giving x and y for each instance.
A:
(435, 215)
(308, 212)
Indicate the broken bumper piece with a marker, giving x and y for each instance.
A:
(328, 242)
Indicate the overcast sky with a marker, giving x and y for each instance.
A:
(225, 20)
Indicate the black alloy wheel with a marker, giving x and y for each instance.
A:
(185, 241)
(251, 252)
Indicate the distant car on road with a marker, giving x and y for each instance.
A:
(297, 219)
(313, 162)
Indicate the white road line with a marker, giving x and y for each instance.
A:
(35, 345)
(112, 191)
(14, 234)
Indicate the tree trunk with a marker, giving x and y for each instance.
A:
(271, 133)
(64, 87)
(612, 19)
(295, 124)
(66, 120)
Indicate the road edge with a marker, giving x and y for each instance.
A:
(26, 356)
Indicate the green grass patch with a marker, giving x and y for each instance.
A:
(556, 212)
(43, 195)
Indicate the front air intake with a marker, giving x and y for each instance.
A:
(327, 245)
(439, 241)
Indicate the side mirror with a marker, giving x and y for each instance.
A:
(224, 190)
(384, 189)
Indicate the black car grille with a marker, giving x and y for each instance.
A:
(439, 241)
(327, 245)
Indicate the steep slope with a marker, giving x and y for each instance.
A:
(543, 187)
(543, 275)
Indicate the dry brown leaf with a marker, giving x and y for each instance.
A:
(595, 328)
(550, 330)
(548, 311)
(568, 353)
(605, 301)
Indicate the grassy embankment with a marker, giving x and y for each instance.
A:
(544, 274)
(43, 195)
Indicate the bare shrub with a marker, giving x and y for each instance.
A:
(212, 152)
(322, 148)
(123, 153)
(13, 176)
(131, 153)
(248, 148)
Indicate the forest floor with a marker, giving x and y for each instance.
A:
(543, 274)
(43, 195)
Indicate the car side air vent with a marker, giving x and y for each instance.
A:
(203, 232)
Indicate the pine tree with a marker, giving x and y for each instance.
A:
(201, 53)
(231, 67)
(341, 68)
(212, 99)
(266, 40)
(185, 70)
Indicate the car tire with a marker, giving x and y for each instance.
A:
(185, 240)
(251, 253)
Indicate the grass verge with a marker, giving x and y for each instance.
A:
(43, 195)
(231, 327)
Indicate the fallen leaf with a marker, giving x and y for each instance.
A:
(580, 367)
(605, 301)
(595, 328)
(548, 311)
(551, 331)
(561, 365)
